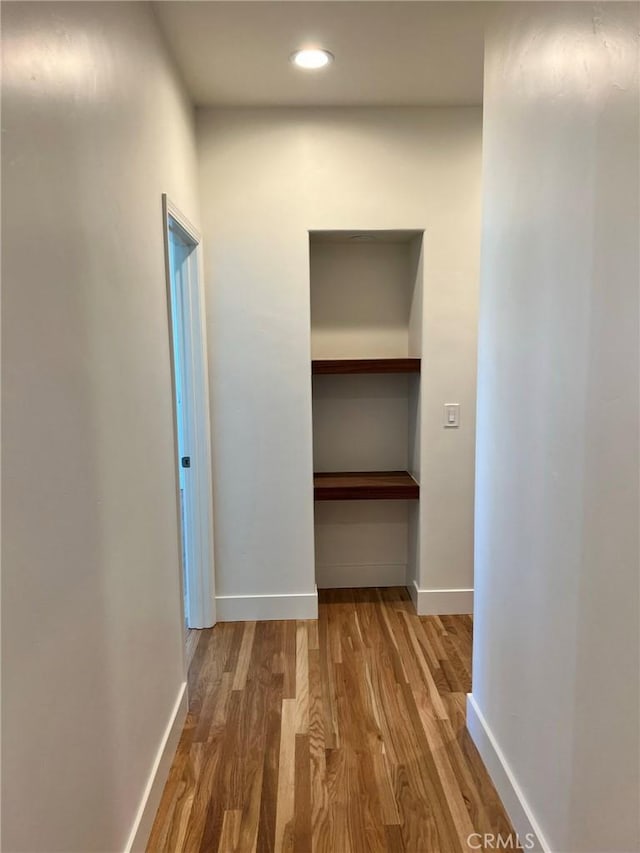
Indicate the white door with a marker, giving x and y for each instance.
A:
(192, 417)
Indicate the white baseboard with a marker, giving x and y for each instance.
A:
(248, 608)
(360, 575)
(513, 799)
(441, 602)
(139, 835)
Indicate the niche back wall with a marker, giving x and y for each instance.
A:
(268, 176)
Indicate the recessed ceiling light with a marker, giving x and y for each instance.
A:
(311, 58)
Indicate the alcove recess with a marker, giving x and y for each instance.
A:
(366, 343)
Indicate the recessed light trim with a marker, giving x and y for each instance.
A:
(311, 58)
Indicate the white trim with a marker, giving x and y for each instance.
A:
(346, 575)
(441, 602)
(502, 776)
(412, 589)
(175, 213)
(201, 574)
(247, 608)
(141, 829)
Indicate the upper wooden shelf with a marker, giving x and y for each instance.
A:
(365, 486)
(365, 365)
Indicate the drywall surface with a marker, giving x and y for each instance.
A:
(361, 543)
(267, 178)
(95, 128)
(360, 299)
(556, 639)
(361, 423)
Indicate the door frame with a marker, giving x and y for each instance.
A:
(199, 571)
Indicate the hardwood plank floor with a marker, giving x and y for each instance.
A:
(345, 735)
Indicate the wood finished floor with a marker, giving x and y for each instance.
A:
(345, 735)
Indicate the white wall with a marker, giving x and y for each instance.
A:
(267, 177)
(556, 644)
(360, 299)
(361, 543)
(361, 423)
(95, 128)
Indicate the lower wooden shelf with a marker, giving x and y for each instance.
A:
(365, 365)
(365, 486)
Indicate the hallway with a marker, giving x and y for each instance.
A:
(345, 734)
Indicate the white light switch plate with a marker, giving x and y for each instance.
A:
(451, 415)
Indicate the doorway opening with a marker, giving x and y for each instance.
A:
(185, 294)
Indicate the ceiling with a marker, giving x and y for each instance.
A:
(386, 53)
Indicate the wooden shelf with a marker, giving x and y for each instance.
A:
(365, 486)
(365, 365)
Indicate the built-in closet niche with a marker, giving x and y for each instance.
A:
(366, 343)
